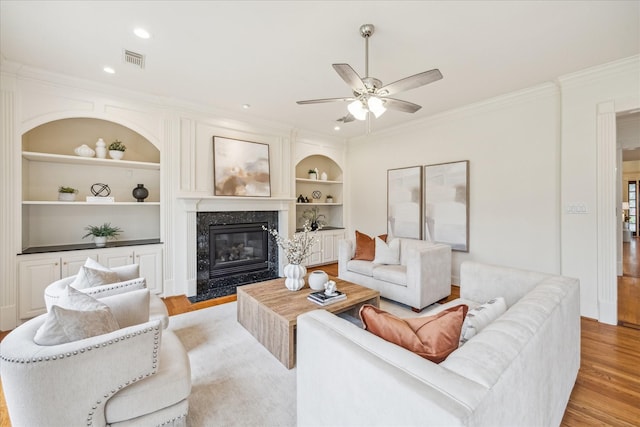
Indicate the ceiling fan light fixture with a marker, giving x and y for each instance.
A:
(358, 109)
(376, 106)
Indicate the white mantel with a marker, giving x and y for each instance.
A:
(192, 204)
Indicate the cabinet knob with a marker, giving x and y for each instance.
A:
(55, 263)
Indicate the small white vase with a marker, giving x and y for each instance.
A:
(317, 280)
(324, 176)
(294, 274)
(100, 241)
(101, 149)
(116, 155)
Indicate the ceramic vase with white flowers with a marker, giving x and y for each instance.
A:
(297, 249)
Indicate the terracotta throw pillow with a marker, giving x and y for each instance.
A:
(366, 246)
(432, 337)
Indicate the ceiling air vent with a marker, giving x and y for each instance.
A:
(134, 58)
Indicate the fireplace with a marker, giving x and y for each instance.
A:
(237, 248)
(233, 250)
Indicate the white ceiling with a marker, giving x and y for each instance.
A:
(269, 54)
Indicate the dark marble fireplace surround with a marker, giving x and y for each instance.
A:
(210, 283)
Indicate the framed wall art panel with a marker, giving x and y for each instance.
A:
(446, 204)
(240, 168)
(404, 202)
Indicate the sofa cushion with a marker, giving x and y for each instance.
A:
(129, 308)
(432, 337)
(77, 316)
(387, 252)
(366, 246)
(361, 267)
(479, 317)
(90, 277)
(396, 274)
(170, 385)
(125, 272)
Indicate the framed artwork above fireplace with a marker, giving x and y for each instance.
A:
(240, 168)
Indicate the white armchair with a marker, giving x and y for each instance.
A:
(129, 281)
(422, 277)
(137, 375)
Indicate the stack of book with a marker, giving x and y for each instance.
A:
(321, 298)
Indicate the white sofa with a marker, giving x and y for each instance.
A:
(422, 277)
(517, 371)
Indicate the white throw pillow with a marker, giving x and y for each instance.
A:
(129, 308)
(92, 273)
(387, 252)
(480, 317)
(75, 316)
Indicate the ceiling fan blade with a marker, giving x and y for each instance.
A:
(404, 106)
(319, 101)
(346, 119)
(410, 82)
(350, 76)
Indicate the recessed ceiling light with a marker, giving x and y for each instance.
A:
(336, 128)
(246, 106)
(109, 70)
(142, 33)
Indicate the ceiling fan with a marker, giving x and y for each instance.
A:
(369, 95)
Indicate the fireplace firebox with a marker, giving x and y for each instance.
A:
(237, 248)
(233, 250)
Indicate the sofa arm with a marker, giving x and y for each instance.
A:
(346, 251)
(69, 384)
(429, 273)
(357, 377)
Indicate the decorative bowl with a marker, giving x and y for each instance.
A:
(84, 151)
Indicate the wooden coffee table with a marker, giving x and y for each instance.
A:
(269, 311)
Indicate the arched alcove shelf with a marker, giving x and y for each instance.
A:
(49, 162)
(317, 191)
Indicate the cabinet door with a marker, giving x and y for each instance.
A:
(330, 246)
(34, 276)
(116, 257)
(316, 254)
(71, 263)
(150, 261)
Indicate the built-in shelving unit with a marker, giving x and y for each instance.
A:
(49, 161)
(305, 187)
(326, 249)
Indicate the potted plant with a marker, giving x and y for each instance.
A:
(315, 218)
(313, 174)
(67, 194)
(117, 149)
(329, 198)
(101, 233)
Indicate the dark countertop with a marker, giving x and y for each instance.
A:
(324, 228)
(85, 246)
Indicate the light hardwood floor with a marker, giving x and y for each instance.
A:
(607, 390)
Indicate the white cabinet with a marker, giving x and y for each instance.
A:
(325, 250)
(37, 271)
(148, 257)
(330, 239)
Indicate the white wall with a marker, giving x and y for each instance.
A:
(583, 250)
(512, 144)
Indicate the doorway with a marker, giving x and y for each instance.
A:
(628, 136)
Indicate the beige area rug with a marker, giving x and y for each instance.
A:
(236, 381)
